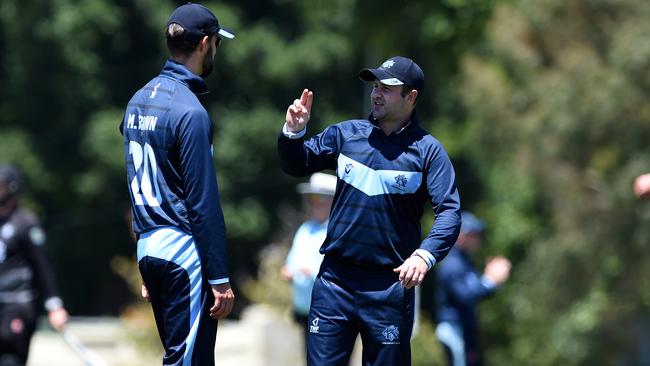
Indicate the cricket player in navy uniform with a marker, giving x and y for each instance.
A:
(175, 203)
(387, 168)
(26, 279)
(460, 288)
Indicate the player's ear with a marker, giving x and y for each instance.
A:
(204, 43)
(412, 96)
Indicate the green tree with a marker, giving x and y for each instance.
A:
(558, 127)
(68, 68)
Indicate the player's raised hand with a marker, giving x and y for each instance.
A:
(299, 112)
(642, 186)
(497, 269)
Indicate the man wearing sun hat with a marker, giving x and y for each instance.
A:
(387, 168)
(304, 258)
(175, 205)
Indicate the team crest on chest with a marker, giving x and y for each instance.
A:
(400, 182)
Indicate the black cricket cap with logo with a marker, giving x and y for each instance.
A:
(396, 70)
(198, 21)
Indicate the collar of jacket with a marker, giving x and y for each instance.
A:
(413, 122)
(180, 72)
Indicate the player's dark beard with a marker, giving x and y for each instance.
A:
(208, 63)
(378, 115)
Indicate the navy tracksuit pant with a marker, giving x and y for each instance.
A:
(180, 297)
(349, 299)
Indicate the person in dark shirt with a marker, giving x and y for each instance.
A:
(175, 203)
(460, 288)
(26, 280)
(388, 167)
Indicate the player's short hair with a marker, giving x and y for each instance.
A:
(187, 26)
(406, 90)
(179, 43)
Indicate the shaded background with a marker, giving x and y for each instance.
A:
(543, 106)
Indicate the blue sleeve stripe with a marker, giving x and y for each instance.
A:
(428, 257)
(219, 281)
(488, 284)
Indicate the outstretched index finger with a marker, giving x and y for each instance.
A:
(306, 98)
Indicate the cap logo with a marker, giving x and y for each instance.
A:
(388, 64)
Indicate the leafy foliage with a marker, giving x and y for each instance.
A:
(559, 102)
(69, 67)
(541, 104)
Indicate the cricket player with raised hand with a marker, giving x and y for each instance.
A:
(175, 203)
(387, 168)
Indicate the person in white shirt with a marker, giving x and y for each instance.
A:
(304, 259)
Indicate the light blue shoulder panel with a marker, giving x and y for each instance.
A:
(377, 182)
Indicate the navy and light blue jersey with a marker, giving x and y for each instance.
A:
(384, 182)
(170, 169)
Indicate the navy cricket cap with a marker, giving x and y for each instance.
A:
(396, 70)
(198, 21)
(471, 223)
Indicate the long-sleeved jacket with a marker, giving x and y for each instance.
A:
(170, 170)
(459, 289)
(25, 272)
(383, 184)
